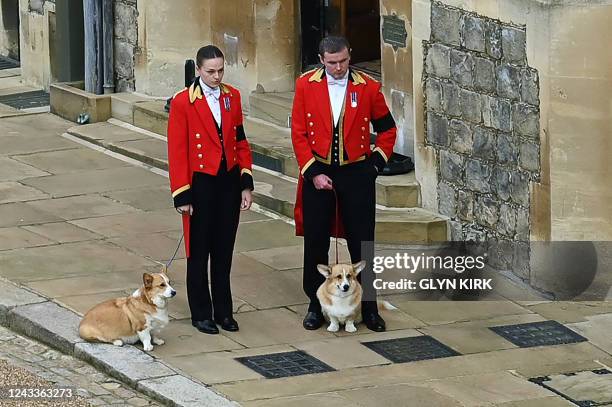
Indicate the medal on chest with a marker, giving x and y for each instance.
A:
(353, 99)
(227, 104)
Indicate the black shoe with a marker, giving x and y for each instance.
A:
(374, 322)
(207, 326)
(313, 320)
(228, 324)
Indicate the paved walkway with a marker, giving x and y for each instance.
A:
(80, 227)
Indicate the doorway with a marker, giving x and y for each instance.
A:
(357, 20)
(9, 34)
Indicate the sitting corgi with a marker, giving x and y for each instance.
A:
(340, 295)
(128, 319)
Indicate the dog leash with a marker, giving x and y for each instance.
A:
(337, 227)
(167, 265)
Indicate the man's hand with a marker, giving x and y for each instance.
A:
(247, 200)
(322, 181)
(185, 210)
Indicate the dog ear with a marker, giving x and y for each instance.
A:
(357, 267)
(324, 269)
(147, 279)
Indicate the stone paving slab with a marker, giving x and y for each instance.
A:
(59, 162)
(132, 223)
(126, 363)
(597, 330)
(227, 368)
(399, 394)
(145, 199)
(17, 192)
(180, 391)
(266, 290)
(82, 206)
(272, 233)
(52, 262)
(536, 362)
(15, 238)
(279, 258)
(151, 245)
(13, 296)
(48, 323)
(20, 214)
(182, 339)
(81, 303)
(95, 181)
(62, 232)
(89, 284)
(12, 169)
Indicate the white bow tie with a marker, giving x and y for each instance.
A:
(337, 82)
(214, 93)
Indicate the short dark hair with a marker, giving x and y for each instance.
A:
(333, 44)
(208, 52)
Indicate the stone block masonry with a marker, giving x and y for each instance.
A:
(126, 44)
(482, 118)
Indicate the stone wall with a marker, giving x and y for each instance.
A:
(482, 120)
(125, 43)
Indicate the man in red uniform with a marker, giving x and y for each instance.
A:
(210, 163)
(332, 112)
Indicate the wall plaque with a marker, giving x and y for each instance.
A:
(394, 31)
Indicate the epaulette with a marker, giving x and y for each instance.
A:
(316, 76)
(358, 77)
(225, 88)
(194, 92)
(308, 72)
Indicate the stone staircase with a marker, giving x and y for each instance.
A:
(137, 130)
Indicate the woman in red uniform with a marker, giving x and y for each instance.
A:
(211, 181)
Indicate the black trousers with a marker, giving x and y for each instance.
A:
(355, 187)
(214, 223)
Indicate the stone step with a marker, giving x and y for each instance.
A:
(272, 149)
(272, 107)
(274, 191)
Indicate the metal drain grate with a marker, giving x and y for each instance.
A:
(38, 98)
(8, 63)
(584, 389)
(544, 333)
(285, 364)
(411, 349)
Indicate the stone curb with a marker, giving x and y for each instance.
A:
(37, 317)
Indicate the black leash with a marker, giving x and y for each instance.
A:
(337, 225)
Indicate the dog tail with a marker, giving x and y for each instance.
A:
(387, 305)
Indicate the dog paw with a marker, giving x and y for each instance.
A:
(158, 341)
(118, 342)
(148, 347)
(350, 328)
(333, 328)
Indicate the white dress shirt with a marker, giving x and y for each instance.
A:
(337, 92)
(212, 98)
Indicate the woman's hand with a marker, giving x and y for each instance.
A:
(247, 200)
(185, 210)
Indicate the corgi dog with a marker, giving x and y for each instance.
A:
(340, 295)
(140, 316)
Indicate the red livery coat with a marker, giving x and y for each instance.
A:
(194, 144)
(312, 131)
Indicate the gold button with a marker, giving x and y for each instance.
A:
(363, 129)
(234, 158)
(363, 137)
(313, 141)
(361, 146)
(199, 155)
(365, 119)
(199, 146)
(312, 133)
(197, 135)
(234, 127)
(234, 148)
(308, 114)
(201, 166)
(311, 124)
